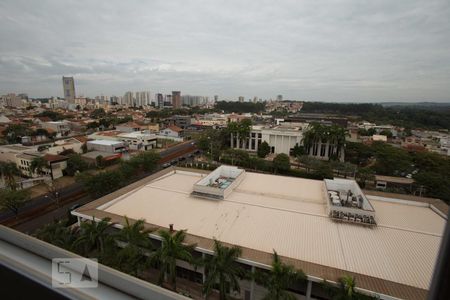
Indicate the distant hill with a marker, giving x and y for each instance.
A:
(417, 104)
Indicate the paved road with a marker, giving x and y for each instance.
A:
(43, 200)
(171, 154)
(30, 226)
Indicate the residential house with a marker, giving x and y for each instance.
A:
(106, 146)
(172, 131)
(138, 140)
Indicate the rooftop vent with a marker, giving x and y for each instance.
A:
(347, 203)
(219, 183)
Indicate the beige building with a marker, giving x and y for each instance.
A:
(56, 164)
(69, 89)
(392, 257)
(62, 128)
(281, 139)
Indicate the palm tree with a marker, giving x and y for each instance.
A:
(93, 235)
(221, 269)
(38, 165)
(345, 290)
(320, 134)
(135, 233)
(132, 258)
(347, 287)
(280, 278)
(314, 134)
(171, 250)
(336, 136)
(8, 170)
(58, 234)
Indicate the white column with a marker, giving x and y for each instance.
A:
(252, 284)
(308, 290)
(79, 221)
(203, 271)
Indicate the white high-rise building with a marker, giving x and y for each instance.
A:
(12, 100)
(128, 99)
(142, 98)
(69, 89)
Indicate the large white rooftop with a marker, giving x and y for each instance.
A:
(105, 142)
(266, 212)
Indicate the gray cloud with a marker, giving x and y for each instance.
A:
(346, 50)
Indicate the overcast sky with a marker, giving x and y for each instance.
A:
(314, 50)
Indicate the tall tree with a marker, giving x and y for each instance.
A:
(240, 130)
(281, 162)
(148, 160)
(13, 200)
(279, 279)
(94, 235)
(131, 257)
(38, 166)
(171, 250)
(135, 234)
(58, 234)
(222, 271)
(347, 286)
(317, 133)
(363, 175)
(263, 149)
(9, 171)
(345, 290)
(102, 183)
(75, 164)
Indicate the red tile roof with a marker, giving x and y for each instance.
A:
(54, 158)
(175, 128)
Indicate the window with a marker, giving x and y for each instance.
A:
(323, 147)
(315, 149)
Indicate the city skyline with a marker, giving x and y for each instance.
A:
(313, 51)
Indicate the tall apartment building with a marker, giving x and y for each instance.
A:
(193, 100)
(12, 100)
(176, 99)
(69, 89)
(241, 98)
(142, 98)
(159, 100)
(128, 99)
(168, 100)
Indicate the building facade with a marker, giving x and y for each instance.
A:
(329, 229)
(280, 139)
(69, 89)
(176, 99)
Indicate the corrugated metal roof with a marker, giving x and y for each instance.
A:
(397, 254)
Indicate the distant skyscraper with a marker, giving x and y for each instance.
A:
(193, 100)
(176, 99)
(159, 100)
(12, 100)
(280, 98)
(128, 99)
(216, 98)
(241, 98)
(69, 89)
